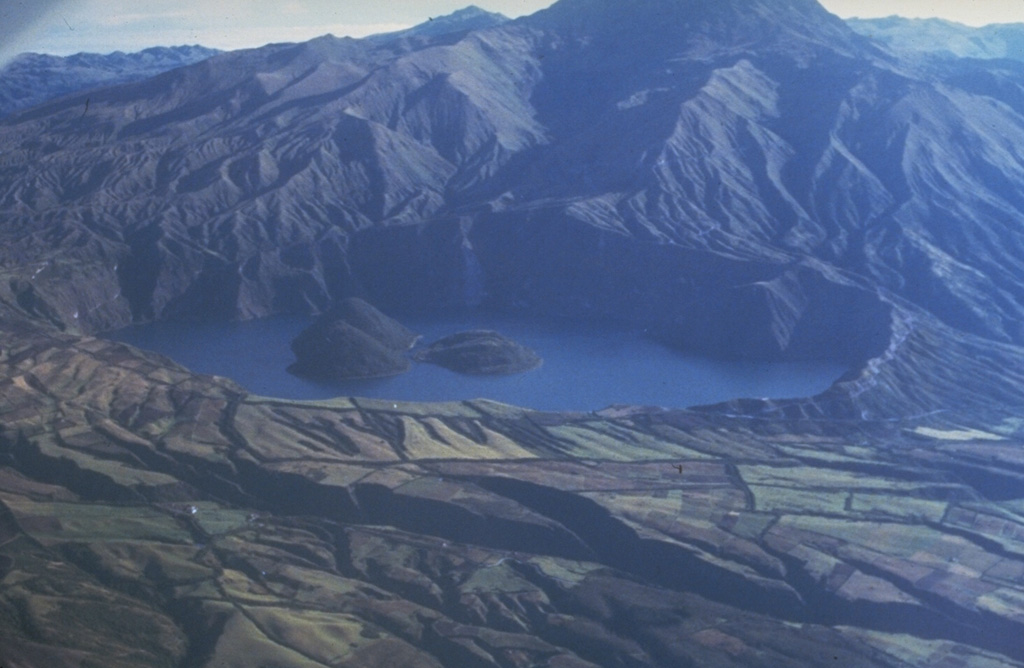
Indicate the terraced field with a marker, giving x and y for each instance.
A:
(153, 517)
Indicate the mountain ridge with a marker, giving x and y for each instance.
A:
(938, 36)
(33, 78)
(772, 191)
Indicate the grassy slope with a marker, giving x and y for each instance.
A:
(360, 533)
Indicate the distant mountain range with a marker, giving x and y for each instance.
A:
(938, 36)
(34, 78)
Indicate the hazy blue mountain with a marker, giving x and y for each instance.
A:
(939, 36)
(34, 78)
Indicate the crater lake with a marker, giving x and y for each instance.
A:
(587, 365)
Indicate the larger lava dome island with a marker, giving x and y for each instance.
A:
(352, 340)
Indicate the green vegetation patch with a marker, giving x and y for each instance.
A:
(280, 432)
(1005, 603)
(906, 507)
(812, 457)
(216, 521)
(119, 472)
(240, 589)
(497, 578)
(325, 637)
(751, 525)
(337, 404)
(84, 522)
(914, 651)
(639, 505)
(242, 644)
(313, 587)
(1015, 506)
(422, 408)
(811, 477)
(616, 441)
(644, 442)
(325, 474)
(563, 570)
(593, 444)
(816, 563)
(890, 538)
(789, 500)
(135, 561)
(111, 626)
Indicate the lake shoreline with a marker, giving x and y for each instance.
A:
(588, 365)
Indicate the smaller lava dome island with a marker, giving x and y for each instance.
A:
(479, 352)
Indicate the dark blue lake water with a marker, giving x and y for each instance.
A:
(587, 366)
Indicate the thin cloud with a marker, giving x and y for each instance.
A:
(125, 20)
(240, 38)
(17, 19)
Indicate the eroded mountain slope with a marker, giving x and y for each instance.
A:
(759, 139)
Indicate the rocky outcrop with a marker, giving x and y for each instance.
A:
(352, 340)
(479, 352)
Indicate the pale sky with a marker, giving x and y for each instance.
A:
(70, 26)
